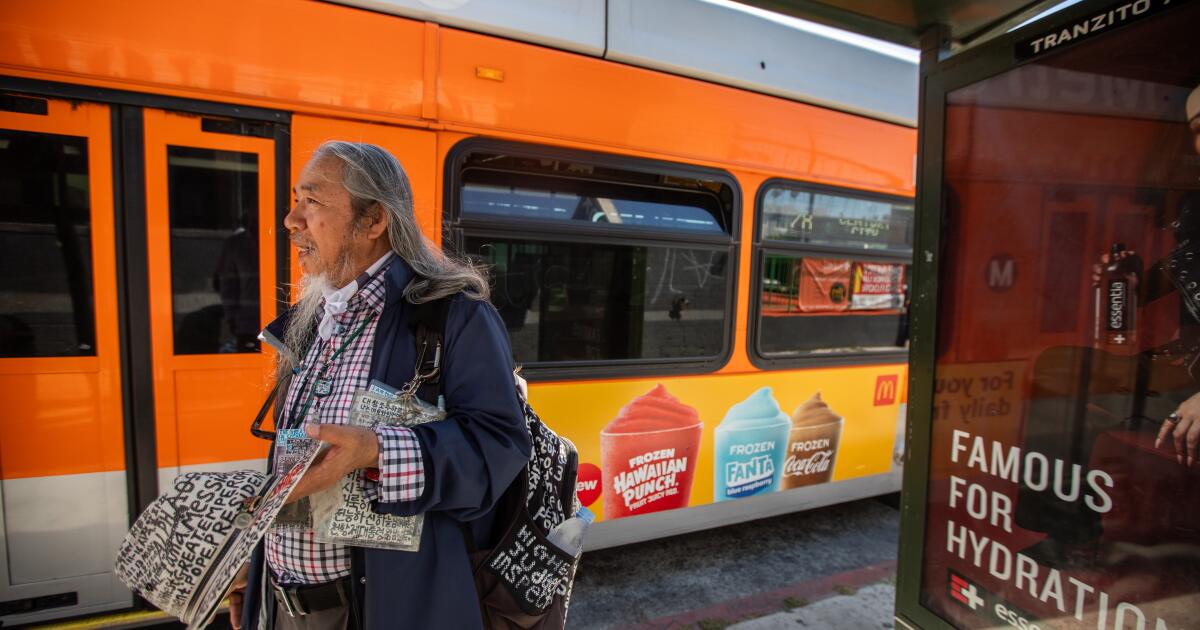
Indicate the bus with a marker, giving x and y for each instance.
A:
(700, 246)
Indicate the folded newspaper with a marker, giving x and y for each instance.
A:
(342, 513)
(186, 548)
(291, 445)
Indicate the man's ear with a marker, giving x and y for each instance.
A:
(376, 221)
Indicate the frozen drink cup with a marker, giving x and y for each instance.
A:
(812, 446)
(750, 442)
(648, 453)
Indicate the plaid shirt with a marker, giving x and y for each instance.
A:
(293, 555)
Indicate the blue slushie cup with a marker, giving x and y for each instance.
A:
(750, 446)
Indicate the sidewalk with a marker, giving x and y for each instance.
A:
(853, 600)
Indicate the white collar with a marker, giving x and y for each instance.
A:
(336, 301)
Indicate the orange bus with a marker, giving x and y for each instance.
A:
(732, 249)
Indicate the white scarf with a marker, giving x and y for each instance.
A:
(336, 301)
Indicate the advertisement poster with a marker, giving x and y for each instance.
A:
(877, 286)
(1049, 508)
(662, 444)
(824, 284)
(1064, 484)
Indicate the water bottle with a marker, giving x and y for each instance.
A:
(568, 535)
(1115, 325)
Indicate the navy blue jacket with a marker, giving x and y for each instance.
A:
(470, 459)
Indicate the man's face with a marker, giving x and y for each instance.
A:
(321, 220)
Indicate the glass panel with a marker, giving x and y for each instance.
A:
(46, 297)
(552, 190)
(214, 250)
(587, 302)
(829, 305)
(556, 205)
(803, 216)
(1062, 494)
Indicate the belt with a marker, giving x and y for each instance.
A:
(301, 599)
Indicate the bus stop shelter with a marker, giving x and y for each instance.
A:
(1051, 475)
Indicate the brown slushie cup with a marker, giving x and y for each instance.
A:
(812, 445)
(648, 455)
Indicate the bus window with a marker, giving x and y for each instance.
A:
(597, 302)
(593, 263)
(45, 246)
(513, 187)
(558, 203)
(833, 272)
(797, 215)
(214, 249)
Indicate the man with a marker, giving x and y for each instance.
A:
(353, 226)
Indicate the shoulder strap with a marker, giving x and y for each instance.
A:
(429, 325)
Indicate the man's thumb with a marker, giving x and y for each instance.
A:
(326, 432)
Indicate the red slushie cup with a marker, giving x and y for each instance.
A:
(648, 454)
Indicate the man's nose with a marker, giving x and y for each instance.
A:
(293, 220)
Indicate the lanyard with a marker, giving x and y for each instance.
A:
(291, 419)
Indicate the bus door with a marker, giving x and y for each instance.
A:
(63, 497)
(211, 228)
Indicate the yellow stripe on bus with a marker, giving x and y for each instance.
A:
(128, 619)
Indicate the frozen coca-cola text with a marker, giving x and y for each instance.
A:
(813, 464)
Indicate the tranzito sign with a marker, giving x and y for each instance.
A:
(1083, 28)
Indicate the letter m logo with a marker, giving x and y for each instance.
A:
(885, 389)
(1001, 273)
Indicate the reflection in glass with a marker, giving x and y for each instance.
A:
(213, 197)
(1068, 335)
(46, 299)
(813, 304)
(802, 216)
(587, 302)
(563, 206)
(507, 186)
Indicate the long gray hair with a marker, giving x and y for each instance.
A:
(373, 176)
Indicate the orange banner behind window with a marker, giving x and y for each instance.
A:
(824, 285)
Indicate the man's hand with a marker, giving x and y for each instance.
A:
(237, 594)
(350, 448)
(1183, 428)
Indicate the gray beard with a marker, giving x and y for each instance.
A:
(307, 312)
(302, 326)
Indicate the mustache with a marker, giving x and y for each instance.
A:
(300, 241)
